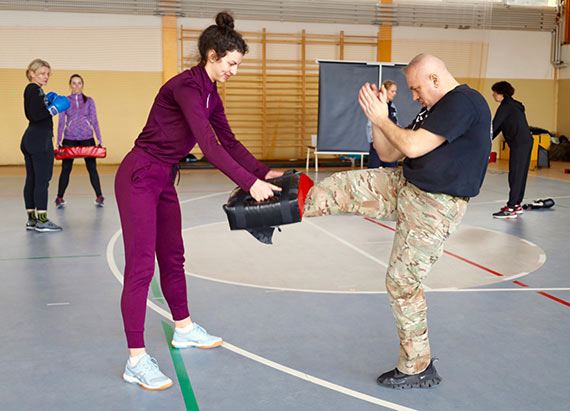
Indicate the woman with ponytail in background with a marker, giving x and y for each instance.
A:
(187, 111)
(76, 127)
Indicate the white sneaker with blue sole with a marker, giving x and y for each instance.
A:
(196, 337)
(146, 374)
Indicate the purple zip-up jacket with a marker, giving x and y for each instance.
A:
(188, 110)
(79, 120)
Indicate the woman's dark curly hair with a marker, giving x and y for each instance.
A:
(220, 37)
(504, 88)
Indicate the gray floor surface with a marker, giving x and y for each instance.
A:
(502, 345)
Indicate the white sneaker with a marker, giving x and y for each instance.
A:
(197, 337)
(146, 374)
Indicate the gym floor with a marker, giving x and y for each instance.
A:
(306, 321)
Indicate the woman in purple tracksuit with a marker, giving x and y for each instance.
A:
(76, 127)
(187, 111)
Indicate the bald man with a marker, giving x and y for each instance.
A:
(446, 151)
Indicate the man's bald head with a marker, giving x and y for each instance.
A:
(429, 79)
(426, 64)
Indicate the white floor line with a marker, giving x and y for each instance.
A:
(432, 290)
(317, 381)
(355, 248)
(203, 197)
(512, 277)
(542, 258)
(281, 289)
(349, 245)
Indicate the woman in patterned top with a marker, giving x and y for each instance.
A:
(76, 128)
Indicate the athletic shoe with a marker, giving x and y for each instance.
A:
(197, 337)
(31, 224)
(47, 226)
(398, 380)
(146, 374)
(506, 213)
(99, 201)
(518, 209)
(60, 202)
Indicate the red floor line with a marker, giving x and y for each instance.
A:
(379, 223)
(473, 263)
(445, 251)
(481, 267)
(553, 298)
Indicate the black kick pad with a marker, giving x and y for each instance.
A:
(259, 218)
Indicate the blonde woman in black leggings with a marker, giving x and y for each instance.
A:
(37, 145)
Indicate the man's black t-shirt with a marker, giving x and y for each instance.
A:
(458, 166)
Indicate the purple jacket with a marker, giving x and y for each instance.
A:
(188, 110)
(79, 120)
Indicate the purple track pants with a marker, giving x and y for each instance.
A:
(151, 223)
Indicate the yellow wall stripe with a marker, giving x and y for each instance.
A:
(169, 47)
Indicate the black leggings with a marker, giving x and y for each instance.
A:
(67, 165)
(37, 148)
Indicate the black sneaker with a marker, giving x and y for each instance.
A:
(31, 224)
(60, 202)
(100, 201)
(398, 380)
(506, 213)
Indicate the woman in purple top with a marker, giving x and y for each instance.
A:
(187, 111)
(76, 127)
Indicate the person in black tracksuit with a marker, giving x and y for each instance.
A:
(510, 119)
(37, 147)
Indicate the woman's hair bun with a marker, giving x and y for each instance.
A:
(224, 19)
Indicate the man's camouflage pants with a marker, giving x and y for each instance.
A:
(423, 222)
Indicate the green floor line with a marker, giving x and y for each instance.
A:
(183, 380)
(156, 292)
(50, 257)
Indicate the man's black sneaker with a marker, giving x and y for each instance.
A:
(60, 202)
(100, 201)
(398, 380)
(506, 213)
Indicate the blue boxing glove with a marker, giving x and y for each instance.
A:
(51, 96)
(59, 105)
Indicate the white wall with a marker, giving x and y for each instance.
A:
(84, 41)
(520, 55)
(510, 54)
